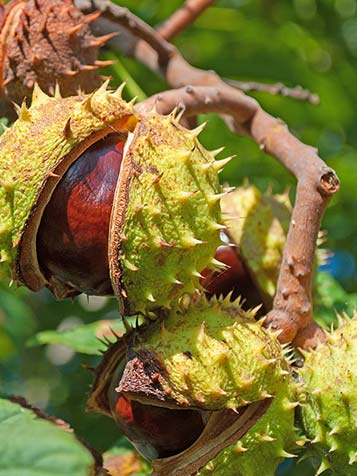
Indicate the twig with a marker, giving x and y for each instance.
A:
(121, 16)
(182, 18)
(292, 310)
(155, 52)
(278, 88)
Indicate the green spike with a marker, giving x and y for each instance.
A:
(217, 226)
(196, 132)
(130, 265)
(150, 297)
(118, 93)
(218, 264)
(185, 196)
(132, 102)
(335, 430)
(23, 112)
(291, 405)
(334, 446)
(215, 152)
(352, 457)
(38, 96)
(286, 454)
(103, 89)
(214, 198)
(323, 467)
(218, 165)
(265, 438)
(239, 448)
(190, 241)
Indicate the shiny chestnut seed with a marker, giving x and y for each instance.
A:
(72, 240)
(235, 278)
(157, 432)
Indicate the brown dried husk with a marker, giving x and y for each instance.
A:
(48, 42)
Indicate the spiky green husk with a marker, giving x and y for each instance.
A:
(261, 450)
(168, 229)
(215, 355)
(258, 224)
(53, 131)
(328, 397)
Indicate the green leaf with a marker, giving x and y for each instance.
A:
(31, 446)
(16, 316)
(3, 122)
(331, 298)
(122, 74)
(83, 339)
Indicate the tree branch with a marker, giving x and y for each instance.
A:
(292, 311)
(182, 18)
(113, 15)
(278, 88)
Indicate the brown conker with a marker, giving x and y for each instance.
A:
(46, 42)
(157, 432)
(72, 240)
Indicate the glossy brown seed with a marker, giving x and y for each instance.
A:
(72, 241)
(157, 432)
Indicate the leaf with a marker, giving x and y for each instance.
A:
(123, 460)
(83, 339)
(3, 122)
(31, 446)
(122, 74)
(331, 298)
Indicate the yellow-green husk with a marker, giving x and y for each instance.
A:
(258, 224)
(328, 399)
(169, 229)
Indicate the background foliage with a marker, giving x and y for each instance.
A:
(307, 42)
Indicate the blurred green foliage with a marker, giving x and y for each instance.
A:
(307, 42)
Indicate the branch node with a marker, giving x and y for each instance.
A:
(329, 182)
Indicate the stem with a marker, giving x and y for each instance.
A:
(182, 18)
(278, 88)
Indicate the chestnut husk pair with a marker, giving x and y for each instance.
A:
(106, 200)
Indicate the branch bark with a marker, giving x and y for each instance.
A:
(182, 18)
(278, 88)
(207, 92)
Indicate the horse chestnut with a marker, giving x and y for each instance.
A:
(72, 240)
(161, 211)
(190, 384)
(156, 432)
